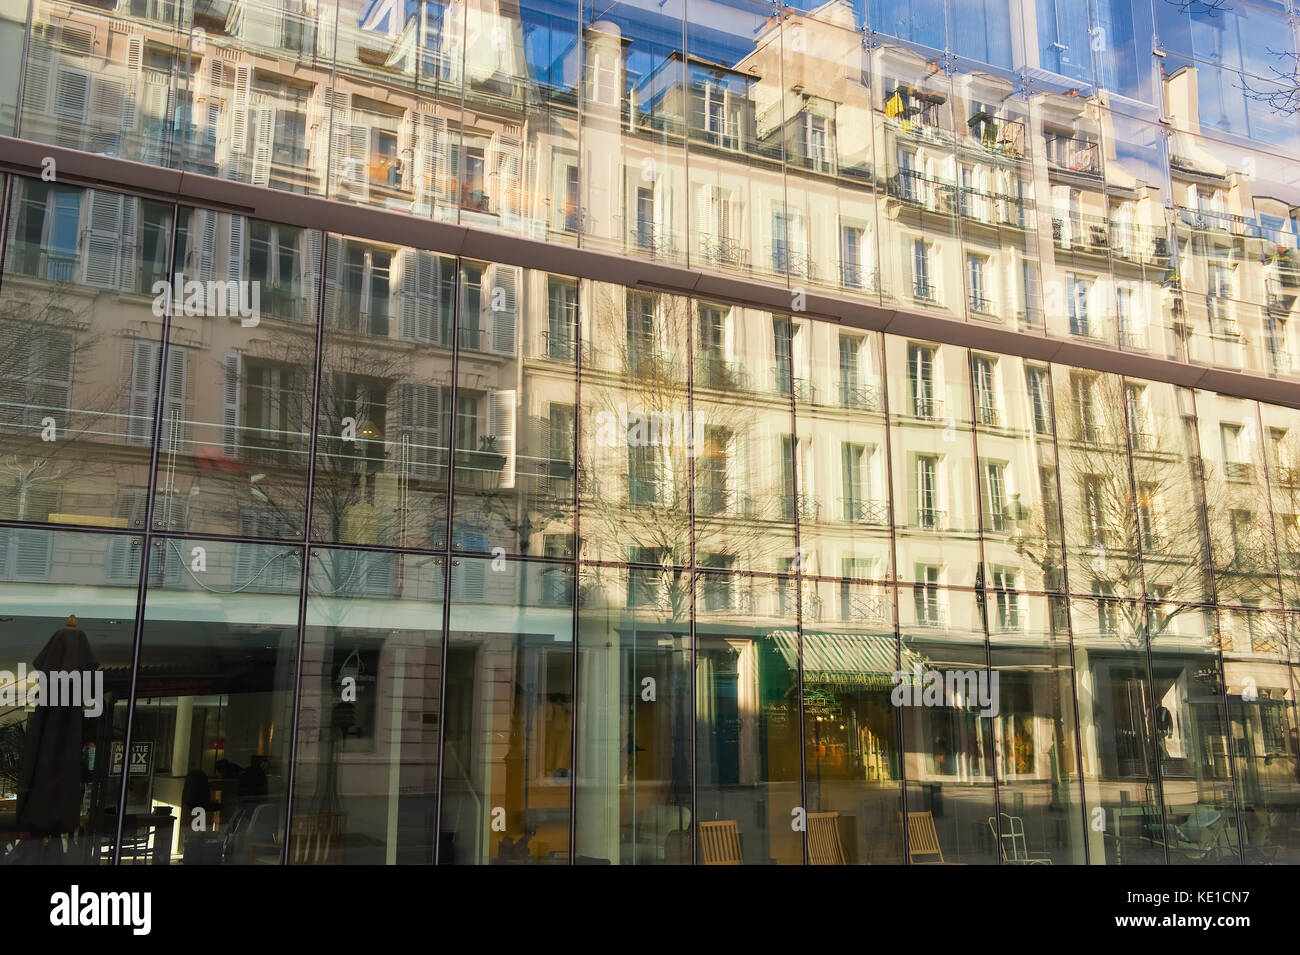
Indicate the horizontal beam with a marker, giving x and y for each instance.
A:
(74, 167)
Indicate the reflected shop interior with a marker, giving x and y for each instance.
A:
(440, 560)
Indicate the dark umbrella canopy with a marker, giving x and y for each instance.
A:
(49, 774)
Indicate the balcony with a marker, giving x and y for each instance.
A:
(1082, 156)
(713, 499)
(471, 337)
(988, 415)
(1133, 338)
(1144, 441)
(723, 252)
(1286, 476)
(916, 189)
(860, 511)
(930, 409)
(714, 371)
(656, 243)
(562, 348)
(981, 305)
(804, 506)
(931, 519)
(1238, 471)
(854, 276)
(787, 261)
(861, 397)
(864, 608)
(923, 291)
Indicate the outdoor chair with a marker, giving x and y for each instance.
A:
(1014, 847)
(720, 843)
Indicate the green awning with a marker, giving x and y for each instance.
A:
(844, 658)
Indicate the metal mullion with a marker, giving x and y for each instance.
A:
(576, 609)
(981, 593)
(1065, 594)
(304, 571)
(1135, 529)
(146, 542)
(453, 391)
(895, 576)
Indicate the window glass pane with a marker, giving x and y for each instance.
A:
(63, 755)
(634, 774)
(235, 435)
(367, 770)
(214, 702)
(80, 354)
(507, 753)
(747, 721)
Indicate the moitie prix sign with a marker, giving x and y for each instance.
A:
(141, 758)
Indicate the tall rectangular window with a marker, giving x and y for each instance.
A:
(986, 408)
(925, 595)
(920, 372)
(979, 299)
(928, 514)
(1076, 302)
(1036, 382)
(995, 497)
(921, 287)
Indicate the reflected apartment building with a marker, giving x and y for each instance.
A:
(632, 393)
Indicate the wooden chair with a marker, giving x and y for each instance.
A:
(720, 843)
(315, 839)
(923, 840)
(824, 845)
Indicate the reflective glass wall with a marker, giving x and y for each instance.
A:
(1116, 173)
(391, 556)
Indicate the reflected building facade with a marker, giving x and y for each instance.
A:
(533, 433)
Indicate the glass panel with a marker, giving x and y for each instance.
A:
(367, 773)
(916, 135)
(936, 515)
(1282, 453)
(63, 755)
(851, 737)
(1041, 818)
(508, 714)
(513, 421)
(384, 398)
(845, 467)
(1125, 815)
(214, 702)
(632, 126)
(235, 434)
(744, 453)
(1097, 499)
(79, 354)
(1236, 491)
(634, 775)
(637, 431)
(1261, 704)
(948, 703)
(251, 99)
(1191, 723)
(1017, 474)
(747, 721)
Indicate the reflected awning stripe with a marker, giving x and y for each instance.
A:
(842, 653)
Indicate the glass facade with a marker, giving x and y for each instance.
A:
(398, 554)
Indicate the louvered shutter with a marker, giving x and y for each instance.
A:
(231, 391)
(71, 100)
(50, 388)
(39, 63)
(430, 160)
(501, 417)
(418, 298)
(174, 405)
(333, 278)
(505, 163)
(25, 554)
(502, 297)
(704, 225)
(239, 107)
(311, 277)
(236, 239)
(124, 551)
(263, 131)
(142, 388)
(128, 246)
(203, 245)
(469, 581)
(357, 144)
(102, 238)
